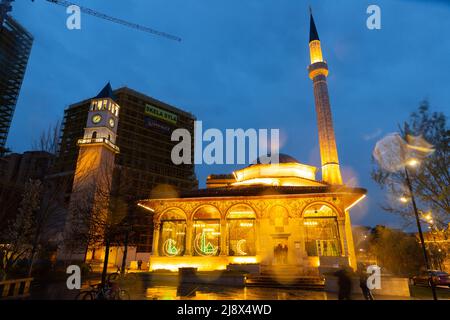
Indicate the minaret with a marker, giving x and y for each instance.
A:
(318, 72)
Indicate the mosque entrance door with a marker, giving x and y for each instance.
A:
(280, 252)
(280, 249)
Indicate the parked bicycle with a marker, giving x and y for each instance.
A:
(110, 291)
(127, 276)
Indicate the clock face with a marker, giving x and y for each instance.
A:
(111, 122)
(96, 118)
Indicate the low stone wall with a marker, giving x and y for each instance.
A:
(224, 278)
(245, 268)
(209, 263)
(390, 286)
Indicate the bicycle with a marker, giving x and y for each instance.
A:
(127, 276)
(110, 291)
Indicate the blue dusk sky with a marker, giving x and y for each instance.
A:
(242, 64)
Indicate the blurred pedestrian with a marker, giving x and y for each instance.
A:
(344, 284)
(363, 282)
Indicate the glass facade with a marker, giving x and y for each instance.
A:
(206, 238)
(241, 237)
(321, 232)
(206, 232)
(241, 220)
(172, 233)
(172, 238)
(15, 48)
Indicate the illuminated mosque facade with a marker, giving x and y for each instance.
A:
(265, 215)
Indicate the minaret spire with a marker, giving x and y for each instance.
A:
(318, 72)
(313, 35)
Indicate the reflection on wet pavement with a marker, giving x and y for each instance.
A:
(227, 293)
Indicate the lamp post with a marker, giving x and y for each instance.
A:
(416, 213)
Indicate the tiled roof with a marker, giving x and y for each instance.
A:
(264, 190)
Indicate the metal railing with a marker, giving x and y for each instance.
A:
(99, 140)
(15, 288)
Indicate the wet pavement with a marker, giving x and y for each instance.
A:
(139, 291)
(159, 288)
(228, 293)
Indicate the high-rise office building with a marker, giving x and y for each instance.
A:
(15, 48)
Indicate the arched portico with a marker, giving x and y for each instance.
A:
(241, 233)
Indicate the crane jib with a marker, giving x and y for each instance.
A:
(136, 26)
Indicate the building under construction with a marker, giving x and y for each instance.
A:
(144, 163)
(15, 48)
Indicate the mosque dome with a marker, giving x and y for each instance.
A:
(282, 158)
(288, 171)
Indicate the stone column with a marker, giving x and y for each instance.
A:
(349, 241)
(189, 230)
(223, 237)
(156, 229)
(258, 244)
(343, 237)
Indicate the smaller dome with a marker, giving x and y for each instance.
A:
(286, 172)
(282, 158)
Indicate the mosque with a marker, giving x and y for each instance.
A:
(264, 215)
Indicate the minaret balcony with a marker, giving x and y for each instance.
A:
(98, 141)
(318, 68)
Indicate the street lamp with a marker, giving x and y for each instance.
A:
(403, 199)
(414, 163)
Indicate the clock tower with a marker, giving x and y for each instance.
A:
(94, 171)
(101, 124)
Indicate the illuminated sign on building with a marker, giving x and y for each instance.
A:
(152, 123)
(161, 114)
(170, 248)
(203, 246)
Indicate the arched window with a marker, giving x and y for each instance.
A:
(321, 231)
(241, 231)
(94, 135)
(206, 232)
(172, 233)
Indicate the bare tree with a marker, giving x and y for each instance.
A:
(49, 216)
(48, 140)
(18, 237)
(123, 200)
(97, 212)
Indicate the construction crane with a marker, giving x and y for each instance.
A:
(5, 7)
